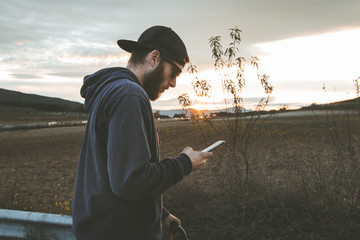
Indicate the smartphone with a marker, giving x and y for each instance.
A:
(213, 146)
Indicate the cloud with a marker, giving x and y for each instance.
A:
(70, 39)
(56, 38)
(25, 76)
(68, 74)
(61, 58)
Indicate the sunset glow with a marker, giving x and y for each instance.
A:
(299, 69)
(313, 57)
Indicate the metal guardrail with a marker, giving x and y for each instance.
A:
(34, 225)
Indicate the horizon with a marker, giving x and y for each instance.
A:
(217, 108)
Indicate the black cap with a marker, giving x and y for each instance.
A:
(161, 38)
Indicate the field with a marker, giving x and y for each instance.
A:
(302, 181)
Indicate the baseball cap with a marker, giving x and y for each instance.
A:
(161, 38)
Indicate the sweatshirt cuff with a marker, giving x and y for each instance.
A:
(186, 162)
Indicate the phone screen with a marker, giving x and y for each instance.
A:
(213, 146)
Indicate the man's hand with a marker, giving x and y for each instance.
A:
(166, 225)
(198, 159)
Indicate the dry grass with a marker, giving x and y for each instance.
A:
(303, 181)
(303, 184)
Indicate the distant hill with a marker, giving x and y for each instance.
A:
(169, 113)
(11, 98)
(350, 104)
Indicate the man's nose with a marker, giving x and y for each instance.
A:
(173, 83)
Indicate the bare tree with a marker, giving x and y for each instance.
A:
(240, 124)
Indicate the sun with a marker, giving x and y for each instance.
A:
(199, 107)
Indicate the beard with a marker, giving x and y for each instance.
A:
(153, 80)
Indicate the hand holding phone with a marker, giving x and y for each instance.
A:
(213, 146)
(198, 158)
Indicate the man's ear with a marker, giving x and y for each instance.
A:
(154, 58)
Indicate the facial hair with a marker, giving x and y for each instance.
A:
(152, 82)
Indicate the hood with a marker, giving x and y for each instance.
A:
(95, 82)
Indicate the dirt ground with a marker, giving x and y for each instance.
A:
(38, 166)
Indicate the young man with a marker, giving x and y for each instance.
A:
(120, 180)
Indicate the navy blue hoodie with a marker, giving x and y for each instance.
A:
(120, 179)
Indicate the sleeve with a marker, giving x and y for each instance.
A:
(131, 174)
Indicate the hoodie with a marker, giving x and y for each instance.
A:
(120, 180)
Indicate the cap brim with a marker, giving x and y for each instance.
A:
(129, 45)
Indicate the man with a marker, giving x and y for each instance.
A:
(120, 180)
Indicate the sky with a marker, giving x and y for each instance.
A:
(309, 48)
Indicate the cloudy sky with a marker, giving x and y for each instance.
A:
(47, 47)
